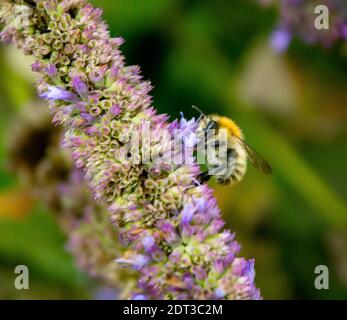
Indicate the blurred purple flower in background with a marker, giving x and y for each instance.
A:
(280, 40)
(297, 19)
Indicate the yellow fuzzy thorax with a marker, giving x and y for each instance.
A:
(229, 124)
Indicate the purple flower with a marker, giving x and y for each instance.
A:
(86, 116)
(114, 72)
(115, 110)
(55, 93)
(297, 19)
(80, 87)
(187, 214)
(36, 66)
(187, 131)
(280, 40)
(344, 31)
(169, 224)
(220, 293)
(140, 297)
(51, 70)
(6, 37)
(169, 231)
(148, 243)
(137, 262)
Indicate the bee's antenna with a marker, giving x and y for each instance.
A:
(196, 108)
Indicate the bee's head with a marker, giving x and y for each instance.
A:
(211, 124)
(207, 122)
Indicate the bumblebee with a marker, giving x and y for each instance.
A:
(232, 167)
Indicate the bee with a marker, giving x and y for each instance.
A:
(232, 167)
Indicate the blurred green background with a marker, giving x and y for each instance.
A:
(291, 107)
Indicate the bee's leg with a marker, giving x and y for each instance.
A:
(204, 177)
(224, 181)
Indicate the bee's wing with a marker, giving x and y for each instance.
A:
(256, 159)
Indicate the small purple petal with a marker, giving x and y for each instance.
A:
(148, 242)
(115, 71)
(138, 262)
(36, 66)
(187, 214)
(56, 93)
(80, 86)
(140, 297)
(219, 293)
(86, 116)
(51, 70)
(115, 110)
